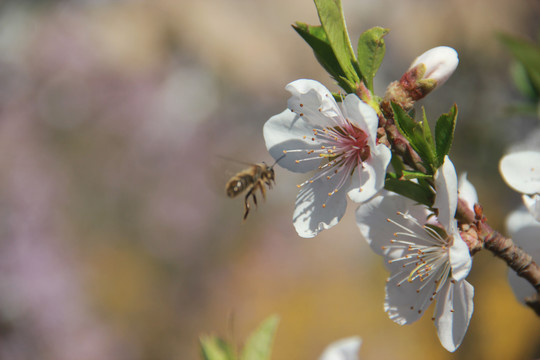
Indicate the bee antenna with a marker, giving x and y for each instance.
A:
(275, 162)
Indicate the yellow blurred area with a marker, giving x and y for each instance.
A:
(117, 120)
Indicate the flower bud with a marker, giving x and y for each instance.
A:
(429, 71)
(439, 62)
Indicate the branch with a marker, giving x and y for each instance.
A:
(516, 258)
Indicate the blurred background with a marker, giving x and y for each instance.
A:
(117, 122)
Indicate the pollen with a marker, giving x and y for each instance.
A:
(323, 205)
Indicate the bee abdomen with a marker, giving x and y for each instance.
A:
(237, 184)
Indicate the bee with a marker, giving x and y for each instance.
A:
(252, 179)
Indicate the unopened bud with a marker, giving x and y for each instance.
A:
(439, 63)
(429, 71)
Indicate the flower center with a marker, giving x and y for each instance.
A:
(343, 147)
(424, 256)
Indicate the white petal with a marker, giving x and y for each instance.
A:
(453, 313)
(522, 288)
(521, 171)
(369, 180)
(446, 197)
(524, 230)
(286, 131)
(372, 219)
(533, 205)
(314, 101)
(362, 115)
(310, 217)
(441, 62)
(467, 192)
(460, 258)
(344, 349)
(404, 304)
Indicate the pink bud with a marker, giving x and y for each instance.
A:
(440, 63)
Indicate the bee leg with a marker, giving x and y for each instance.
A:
(247, 206)
(263, 191)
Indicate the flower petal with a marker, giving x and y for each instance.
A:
(344, 349)
(369, 179)
(310, 217)
(453, 313)
(466, 191)
(460, 257)
(407, 303)
(520, 172)
(372, 219)
(522, 288)
(447, 192)
(362, 115)
(524, 230)
(440, 62)
(533, 205)
(286, 131)
(314, 101)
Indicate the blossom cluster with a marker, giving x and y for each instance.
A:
(338, 140)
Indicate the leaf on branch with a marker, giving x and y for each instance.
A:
(215, 348)
(316, 38)
(332, 20)
(528, 54)
(371, 50)
(417, 192)
(259, 343)
(444, 133)
(419, 136)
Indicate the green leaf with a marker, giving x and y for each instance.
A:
(528, 54)
(332, 19)
(316, 38)
(259, 344)
(523, 81)
(215, 348)
(419, 136)
(409, 175)
(412, 190)
(427, 132)
(371, 49)
(444, 134)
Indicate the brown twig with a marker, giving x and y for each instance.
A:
(504, 248)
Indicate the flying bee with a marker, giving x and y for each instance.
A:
(252, 179)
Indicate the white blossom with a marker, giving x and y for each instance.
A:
(521, 171)
(344, 349)
(339, 144)
(427, 258)
(524, 229)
